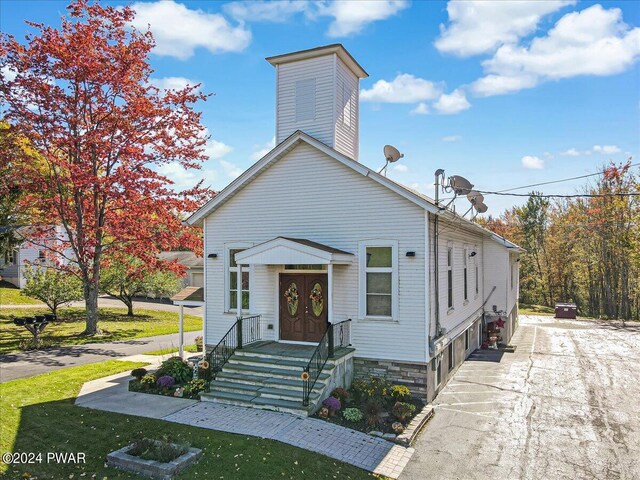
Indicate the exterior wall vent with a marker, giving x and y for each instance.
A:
(306, 100)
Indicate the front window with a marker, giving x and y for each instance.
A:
(232, 291)
(378, 268)
(464, 275)
(9, 257)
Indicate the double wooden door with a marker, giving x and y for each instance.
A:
(303, 306)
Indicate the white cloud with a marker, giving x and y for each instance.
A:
(451, 103)
(257, 11)
(421, 109)
(452, 138)
(172, 83)
(185, 178)
(400, 168)
(572, 152)
(351, 17)
(594, 41)
(9, 74)
(606, 149)
(405, 88)
(531, 162)
(258, 154)
(215, 149)
(482, 26)
(232, 170)
(178, 30)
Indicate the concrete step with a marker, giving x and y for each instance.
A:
(260, 391)
(285, 383)
(267, 371)
(281, 362)
(244, 400)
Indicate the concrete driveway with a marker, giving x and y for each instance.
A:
(564, 405)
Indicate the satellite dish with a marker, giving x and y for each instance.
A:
(481, 207)
(460, 185)
(391, 154)
(475, 197)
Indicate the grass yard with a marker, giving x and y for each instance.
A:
(169, 350)
(525, 309)
(10, 295)
(114, 322)
(38, 415)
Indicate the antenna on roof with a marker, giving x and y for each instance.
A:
(391, 155)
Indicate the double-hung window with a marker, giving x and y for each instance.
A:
(378, 279)
(450, 276)
(475, 266)
(232, 282)
(465, 274)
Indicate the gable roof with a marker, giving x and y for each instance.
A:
(186, 258)
(285, 250)
(298, 137)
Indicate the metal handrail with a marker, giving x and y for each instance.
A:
(246, 330)
(323, 352)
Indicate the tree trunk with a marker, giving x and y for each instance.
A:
(129, 303)
(91, 301)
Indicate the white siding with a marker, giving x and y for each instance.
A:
(321, 126)
(347, 114)
(307, 194)
(463, 313)
(496, 274)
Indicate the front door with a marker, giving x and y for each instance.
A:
(303, 306)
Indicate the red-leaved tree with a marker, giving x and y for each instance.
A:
(80, 96)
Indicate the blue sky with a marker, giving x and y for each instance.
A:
(503, 93)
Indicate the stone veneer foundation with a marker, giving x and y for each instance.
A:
(413, 375)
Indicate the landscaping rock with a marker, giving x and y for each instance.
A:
(376, 433)
(389, 436)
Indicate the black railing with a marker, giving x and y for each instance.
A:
(246, 330)
(337, 335)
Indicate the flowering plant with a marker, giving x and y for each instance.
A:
(165, 381)
(316, 295)
(332, 403)
(291, 294)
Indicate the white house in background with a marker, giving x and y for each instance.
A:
(13, 263)
(194, 275)
(317, 252)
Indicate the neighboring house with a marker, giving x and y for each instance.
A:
(194, 276)
(13, 263)
(308, 238)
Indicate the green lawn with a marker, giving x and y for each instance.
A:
(12, 296)
(114, 322)
(167, 351)
(38, 415)
(525, 309)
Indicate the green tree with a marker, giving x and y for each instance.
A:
(131, 278)
(51, 286)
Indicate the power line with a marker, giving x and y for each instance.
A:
(559, 181)
(577, 195)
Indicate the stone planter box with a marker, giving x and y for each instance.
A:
(151, 468)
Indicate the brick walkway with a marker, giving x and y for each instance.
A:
(369, 453)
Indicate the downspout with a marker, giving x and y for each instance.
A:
(436, 275)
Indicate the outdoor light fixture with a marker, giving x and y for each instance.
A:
(472, 254)
(213, 255)
(411, 254)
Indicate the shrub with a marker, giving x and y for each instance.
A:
(341, 394)
(352, 414)
(332, 403)
(159, 450)
(177, 368)
(399, 392)
(148, 381)
(138, 373)
(166, 381)
(372, 410)
(402, 409)
(194, 387)
(375, 388)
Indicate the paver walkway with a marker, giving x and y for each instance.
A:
(369, 453)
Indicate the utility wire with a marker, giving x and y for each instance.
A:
(577, 195)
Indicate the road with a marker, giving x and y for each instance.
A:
(563, 406)
(35, 362)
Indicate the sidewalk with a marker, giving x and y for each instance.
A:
(356, 448)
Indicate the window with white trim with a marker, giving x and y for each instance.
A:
(232, 281)
(450, 356)
(513, 274)
(378, 279)
(465, 274)
(450, 276)
(10, 257)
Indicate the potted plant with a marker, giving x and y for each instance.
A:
(198, 343)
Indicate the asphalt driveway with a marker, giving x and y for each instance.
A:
(564, 405)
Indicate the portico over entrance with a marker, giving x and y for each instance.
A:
(305, 294)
